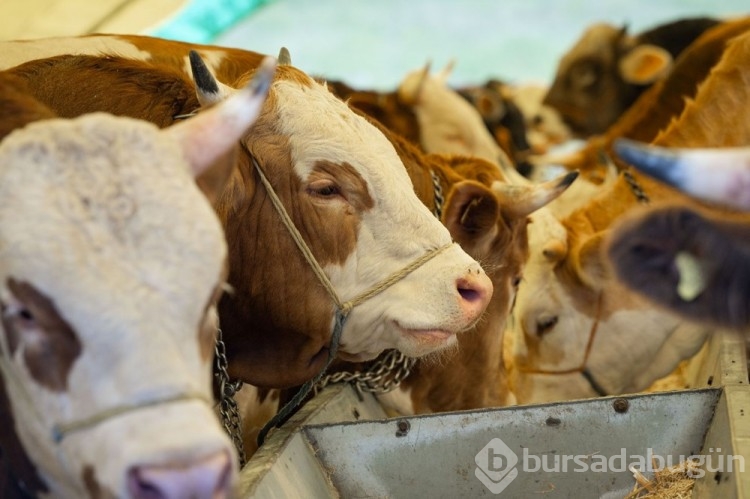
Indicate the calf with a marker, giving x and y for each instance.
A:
(112, 264)
(576, 330)
(606, 70)
(346, 192)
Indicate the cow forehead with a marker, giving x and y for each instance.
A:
(104, 203)
(595, 42)
(311, 116)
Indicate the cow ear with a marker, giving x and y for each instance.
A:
(645, 64)
(588, 261)
(471, 210)
(207, 88)
(208, 140)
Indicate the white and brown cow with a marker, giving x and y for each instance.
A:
(345, 190)
(607, 69)
(577, 330)
(111, 265)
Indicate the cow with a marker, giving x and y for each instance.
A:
(504, 120)
(607, 69)
(689, 258)
(112, 265)
(576, 330)
(343, 188)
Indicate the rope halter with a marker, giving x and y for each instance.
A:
(343, 308)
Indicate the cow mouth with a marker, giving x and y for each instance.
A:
(427, 336)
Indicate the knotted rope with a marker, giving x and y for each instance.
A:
(342, 308)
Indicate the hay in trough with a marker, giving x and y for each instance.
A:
(674, 482)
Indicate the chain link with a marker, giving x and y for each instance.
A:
(439, 200)
(640, 195)
(228, 410)
(382, 376)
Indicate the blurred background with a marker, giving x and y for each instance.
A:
(368, 44)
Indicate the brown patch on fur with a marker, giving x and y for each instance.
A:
(50, 359)
(94, 488)
(76, 85)
(17, 107)
(15, 465)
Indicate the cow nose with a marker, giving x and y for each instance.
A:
(475, 291)
(208, 478)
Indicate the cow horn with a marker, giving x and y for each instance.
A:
(687, 169)
(212, 133)
(208, 90)
(285, 58)
(409, 92)
(523, 200)
(445, 73)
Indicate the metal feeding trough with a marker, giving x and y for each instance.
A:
(342, 445)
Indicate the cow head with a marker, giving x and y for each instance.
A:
(575, 331)
(447, 122)
(348, 193)
(112, 263)
(601, 75)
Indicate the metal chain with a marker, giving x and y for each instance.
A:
(383, 376)
(439, 200)
(636, 188)
(230, 413)
(638, 191)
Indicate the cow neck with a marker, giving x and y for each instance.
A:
(582, 368)
(342, 308)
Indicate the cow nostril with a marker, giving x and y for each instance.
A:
(206, 478)
(545, 324)
(469, 294)
(537, 120)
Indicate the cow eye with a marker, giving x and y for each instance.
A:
(324, 189)
(584, 76)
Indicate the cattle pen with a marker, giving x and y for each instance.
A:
(341, 444)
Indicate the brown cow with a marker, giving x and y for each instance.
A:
(345, 190)
(607, 69)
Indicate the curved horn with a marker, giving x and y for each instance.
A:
(708, 174)
(285, 58)
(207, 88)
(212, 133)
(523, 200)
